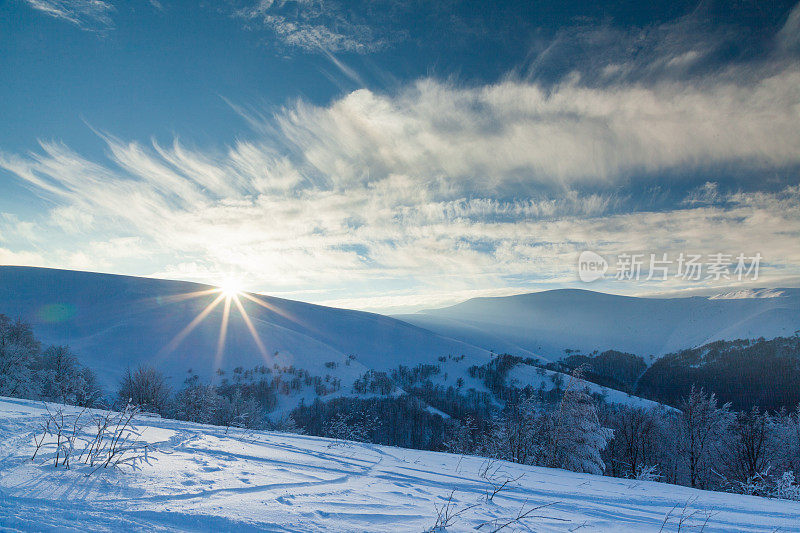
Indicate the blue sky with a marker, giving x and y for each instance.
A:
(390, 155)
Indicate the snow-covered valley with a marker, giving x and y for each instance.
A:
(204, 478)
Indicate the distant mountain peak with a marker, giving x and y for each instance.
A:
(749, 293)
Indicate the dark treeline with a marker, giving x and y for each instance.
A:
(706, 444)
(764, 373)
(243, 399)
(613, 369)
(401, 421)
(745, 373)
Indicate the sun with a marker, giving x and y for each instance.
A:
(229, 293)
(230, 287)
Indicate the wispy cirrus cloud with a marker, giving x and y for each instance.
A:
(395, 198)
(315, 25)
(87, 14)
(438, 186)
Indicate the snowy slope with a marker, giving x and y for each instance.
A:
(113, 322)
(116, 322)
(546, 323)
(204, 480)
(522, 375)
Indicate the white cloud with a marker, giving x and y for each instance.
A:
(570, 134)
(440, 188)
(88, 14)
(23, 258)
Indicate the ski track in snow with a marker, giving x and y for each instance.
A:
(203, 479)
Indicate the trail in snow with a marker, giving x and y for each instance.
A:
(204, 479)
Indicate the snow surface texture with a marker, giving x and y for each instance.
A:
(550, 322)
(202, 479)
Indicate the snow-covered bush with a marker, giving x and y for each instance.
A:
(786, 487)
(63, 379)
(18, 348)
(344, 428)
(782, 486)
(197, 402)
(95, 441)
(647, 473)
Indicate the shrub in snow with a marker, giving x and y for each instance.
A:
(647, 473)
(786, 487)
(353, 427)
(97, 441)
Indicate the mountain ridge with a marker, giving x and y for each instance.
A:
(548, 323)
(114, 322)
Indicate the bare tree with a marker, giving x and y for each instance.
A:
(518, 434)
(632, 450)
(18, 347)
(145, 388)
(750, 451)
(705, 425)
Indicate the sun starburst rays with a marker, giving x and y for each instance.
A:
(193, 324)
(223, 333)
(229, 294)
(249, 323)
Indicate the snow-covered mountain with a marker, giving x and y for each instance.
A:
(115, 322)
(206, 478)
(550, 322)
